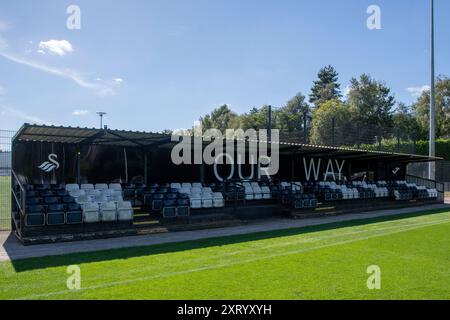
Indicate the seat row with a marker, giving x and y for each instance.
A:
(170, 204)
(54, 214)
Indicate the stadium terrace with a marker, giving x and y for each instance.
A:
(84, 183)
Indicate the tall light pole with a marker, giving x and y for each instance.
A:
(101, 114)
(432, 149)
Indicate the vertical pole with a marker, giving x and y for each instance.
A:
(269, 124)
(379, 138)
(145, 167)
(333, 126)
(305, 131)
(202, 173)
(358, 133)
(414, 142)
(432, 149)
(398, 140)
(293, 167)
(78, 164)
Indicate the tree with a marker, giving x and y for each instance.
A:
(255, 119)
(221, 118)
(290, 117)
(326, 87)
(404, 120)
(422, 108)
(322, 124)
(373, 101)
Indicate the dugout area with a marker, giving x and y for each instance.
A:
(84, 183)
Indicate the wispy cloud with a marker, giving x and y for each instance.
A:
(417, 91)
(102, 88)
(55, 47)
(2, 91)
(16, 113)
(80, 113)
(4, 25)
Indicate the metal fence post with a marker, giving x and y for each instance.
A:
(305, 132)
(379, 138)
(358, 134)
(333, 124)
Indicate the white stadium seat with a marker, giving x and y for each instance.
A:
(108, 211)
(101, 199)
(175, 185)
(266, 192)
(218, 201)
(115, 186)
(82, 200)
(77, 193)
(207, 200)
(87, 186)
(101, 186)
(186, 185)
(92, 192)
(124, 211)
(196, 200)
(91, 213)
(197, 185)
(72, 187)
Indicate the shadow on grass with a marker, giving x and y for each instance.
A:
(126, 253)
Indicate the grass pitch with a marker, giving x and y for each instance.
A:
(321, 262)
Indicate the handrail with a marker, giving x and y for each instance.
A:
(439, 186)
(20, 203)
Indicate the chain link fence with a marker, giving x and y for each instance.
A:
(5, 179)
(355, 135)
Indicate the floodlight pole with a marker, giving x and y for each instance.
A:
(101, 114)
(432, 148)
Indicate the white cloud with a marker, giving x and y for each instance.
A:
(16, 113)
(4, 25)
(118, 80)
(347, 90)
(80, 113)
(2, 91)
(101, 87)
(56, 47)
(417, 91)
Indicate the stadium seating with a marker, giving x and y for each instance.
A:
(108, 211)
(55, 205)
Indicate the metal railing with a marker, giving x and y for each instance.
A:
(430, 184)
(358, 135)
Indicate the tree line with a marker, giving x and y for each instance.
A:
(367, 104)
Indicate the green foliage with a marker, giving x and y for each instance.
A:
(422, 107)
(407, 146)
(372, 100)
(221, 118)
(321, 128)
(290, 118)
(405, 120)
(326, 87)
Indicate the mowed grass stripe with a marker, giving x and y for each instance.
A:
(244, 261)
(159, 275)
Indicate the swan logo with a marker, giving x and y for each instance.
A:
(51, 164)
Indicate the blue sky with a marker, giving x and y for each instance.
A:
(154, 65)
